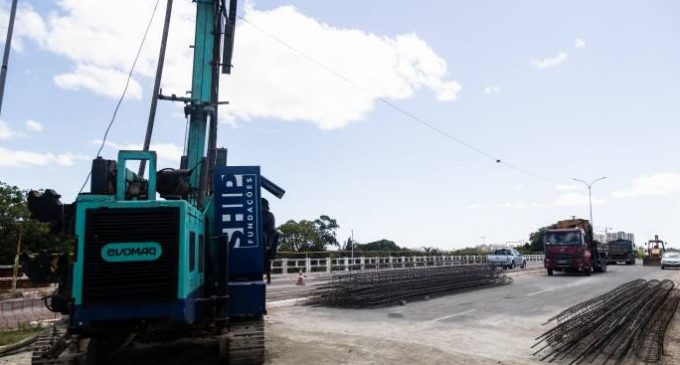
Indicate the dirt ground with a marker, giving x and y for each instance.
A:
(490, 326)
(671, 347)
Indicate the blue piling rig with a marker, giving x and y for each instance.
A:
(181, 251)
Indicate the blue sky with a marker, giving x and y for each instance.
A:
(560, 89)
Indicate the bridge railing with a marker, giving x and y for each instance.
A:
(283, 266)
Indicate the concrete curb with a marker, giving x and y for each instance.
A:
(525, 271)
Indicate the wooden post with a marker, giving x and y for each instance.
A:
(16, 261)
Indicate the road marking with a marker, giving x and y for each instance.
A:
(539, 292)
(453, 315)
(286, 302)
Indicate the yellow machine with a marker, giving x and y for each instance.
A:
(655, 249)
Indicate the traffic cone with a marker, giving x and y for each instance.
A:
(300, 280)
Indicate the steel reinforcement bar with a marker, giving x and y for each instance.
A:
(627, 322)
(384, 288)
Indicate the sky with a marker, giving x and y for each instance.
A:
(386, 116)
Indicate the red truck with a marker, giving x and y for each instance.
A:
(569, 246)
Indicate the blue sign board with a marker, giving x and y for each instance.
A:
(238, 216)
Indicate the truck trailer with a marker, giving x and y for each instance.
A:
(621, 250)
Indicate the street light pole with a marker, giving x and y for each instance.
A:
(352, 239)
(590, 195)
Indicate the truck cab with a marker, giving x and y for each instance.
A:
(569, 247)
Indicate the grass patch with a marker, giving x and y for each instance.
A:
(13, 336)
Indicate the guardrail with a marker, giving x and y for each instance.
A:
(310, 265)
(15, 313)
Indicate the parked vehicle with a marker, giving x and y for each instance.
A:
(507, 258)
(670, 259)
(621, 250)
(569, 246)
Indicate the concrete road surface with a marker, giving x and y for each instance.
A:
(490, 326)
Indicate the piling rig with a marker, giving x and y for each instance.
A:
(177, 252)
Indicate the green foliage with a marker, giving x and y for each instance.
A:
(381, 245)
(469, 251)
(325, 227)
(14, 336)
(536, 240)
(306, 235)
(15, 219)
(525, 248)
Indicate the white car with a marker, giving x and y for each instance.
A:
(507, 258)
(670, 259)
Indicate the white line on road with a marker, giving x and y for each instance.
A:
(539, 292)
(453, 315)
(286, 302)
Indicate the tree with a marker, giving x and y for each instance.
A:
(325, 228)
(15, 217)
(381, 245)
(430, 250)
(536, 239)
(349, 244)
(297, 236)
(306, 235)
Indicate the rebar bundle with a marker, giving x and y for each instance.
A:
(629, 321)
(384, 288)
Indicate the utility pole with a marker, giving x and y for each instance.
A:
(15, 273)
(8, 45)
(352, 245)
(590, 195)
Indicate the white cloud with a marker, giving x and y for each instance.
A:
(544, 63)
(475, 206)
(508, 205)
(567, 187)
(269, 80)
(6, 133)
(579, 43)
(492, 90)
(27, 25)
(17, 158)
(103, 81)
(34, 126)
(577, 199)
(167, 153)
(652, 185)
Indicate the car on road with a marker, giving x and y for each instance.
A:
(507, 258)
(670, 259)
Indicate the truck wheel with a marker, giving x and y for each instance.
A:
(512, 266)
(589, 271)
(524, 265)
(550, 272)
(663, 267)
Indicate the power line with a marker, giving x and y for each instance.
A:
(396, 107)
(122, 96)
